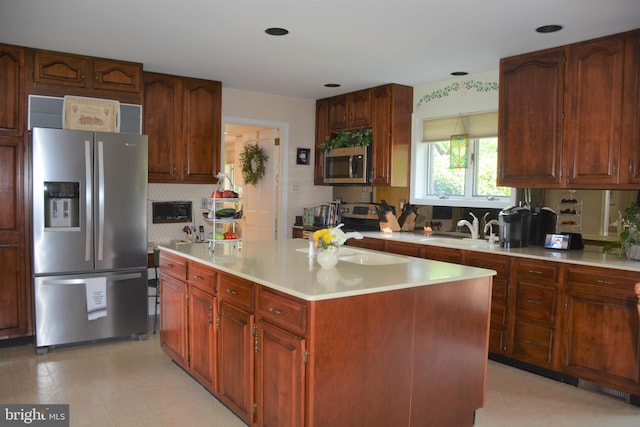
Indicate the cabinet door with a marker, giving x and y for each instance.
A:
(173, 318)
(236, 360)
(280, 382)
(359, 108)
(12, 93)
(202, 337)
(593, 115)
(201, 131)
(338, 119)
(61, 69)
(322, 132)
(630, 159)
(15, 285)
(404, 248)
(381, 143)
(530, 120)
(163, 125)
(117, 75)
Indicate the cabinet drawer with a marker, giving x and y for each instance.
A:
(173, 265)
(283, 311)
(443, 254)
(603, 278)
(492, 262)
(368, 243)
(202, 277)
(404, 248)
(533, 343)
(536, 303)
(236, 291)
(538, 271)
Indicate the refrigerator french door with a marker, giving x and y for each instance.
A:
(89, 227)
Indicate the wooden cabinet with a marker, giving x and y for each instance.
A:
(500, 295)
(568, 116)
(437, 253)
(387, 111)
(281, 357)
(173, 317)
(368, 243)
(182, 117)
(56, 73)
(322, 133)
(404, 248)
(534, 326)
(392, 106)
(350, 111)
(236, 346)
(12, 90)
(601, 334)
(202, 329)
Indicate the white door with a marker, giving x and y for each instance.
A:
(260, 200)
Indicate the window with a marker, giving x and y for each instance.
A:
(435, 182)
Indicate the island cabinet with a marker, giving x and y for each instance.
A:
(500, 296)
(368, 243)
(281, 357)
(535, 319)
(601, 341)
(187, 316)
(182, 118)
(567, 115)
(236, 345)
(404, 248)
(59, 74)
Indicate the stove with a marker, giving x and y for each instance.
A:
(360, 216)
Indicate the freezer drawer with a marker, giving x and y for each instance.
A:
(72, 309)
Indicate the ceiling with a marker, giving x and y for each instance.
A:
(355, 43)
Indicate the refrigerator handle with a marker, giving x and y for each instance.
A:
(100, 219)
(88, 234)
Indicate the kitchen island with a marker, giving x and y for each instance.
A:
(379, 340)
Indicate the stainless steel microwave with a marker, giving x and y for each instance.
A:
(349, 165)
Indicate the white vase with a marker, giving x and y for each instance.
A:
(327, 259)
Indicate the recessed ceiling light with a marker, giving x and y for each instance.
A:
(332, 85)
(548, 29)
(275, 31)
(459, 73)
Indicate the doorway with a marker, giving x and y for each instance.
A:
(264, 204)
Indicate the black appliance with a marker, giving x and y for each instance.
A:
(361, 216)
(514, 226)
(543, 222)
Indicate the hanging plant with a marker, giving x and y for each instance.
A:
(354, 138)
(253, 159)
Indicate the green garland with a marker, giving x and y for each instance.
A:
(250, 156)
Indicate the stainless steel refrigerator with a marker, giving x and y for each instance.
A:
(89, 236)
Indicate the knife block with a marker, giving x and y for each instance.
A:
(409, 223)
(391, 224)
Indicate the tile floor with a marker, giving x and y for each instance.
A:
(132, 383)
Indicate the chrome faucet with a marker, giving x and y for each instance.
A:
(473, 227)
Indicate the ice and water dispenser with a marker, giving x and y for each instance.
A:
(61, 204)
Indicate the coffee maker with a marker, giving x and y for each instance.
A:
(543, 222)
(514, 226)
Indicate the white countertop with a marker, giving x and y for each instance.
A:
(594, 259)
(284, 265)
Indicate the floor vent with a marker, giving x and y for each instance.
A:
(588, 385)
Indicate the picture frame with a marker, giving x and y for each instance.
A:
(303, 156)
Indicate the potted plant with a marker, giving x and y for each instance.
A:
(629, 234)
(354, 138)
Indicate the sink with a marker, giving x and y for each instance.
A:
(373, 259)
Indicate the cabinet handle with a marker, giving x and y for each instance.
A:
(198, 277)
(256, 343)
(630, 166)
(276, 311)
(605, 282)
(615, 167)
(218, 321)
(535, 272)
(169, 265)
(232, 291)
(536, 343)
(210, 315)
(532, 301)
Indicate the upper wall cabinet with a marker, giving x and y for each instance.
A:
(182, 118)
(60, 74)
(350, 111)
(568, 116)
(12, 97)
(387, 111)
